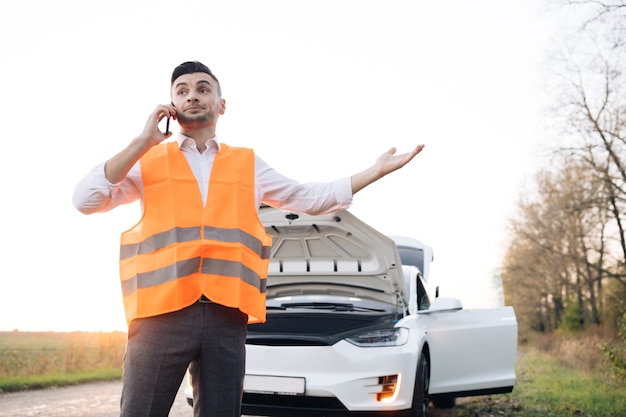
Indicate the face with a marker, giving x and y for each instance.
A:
(197, 100)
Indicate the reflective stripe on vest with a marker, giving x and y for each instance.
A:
(181, 250)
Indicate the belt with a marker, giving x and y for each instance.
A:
(204, 299)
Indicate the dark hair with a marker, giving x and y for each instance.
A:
(191, 67)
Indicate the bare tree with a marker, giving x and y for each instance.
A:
(562, 233)
(592, 107)
(569, 237)
(600, 144)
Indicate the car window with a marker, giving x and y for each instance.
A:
(423, 301)
(412, 256)
(415, 256)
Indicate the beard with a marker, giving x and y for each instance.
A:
(195, 120)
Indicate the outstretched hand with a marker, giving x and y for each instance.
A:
(389, 161)
(385, 164)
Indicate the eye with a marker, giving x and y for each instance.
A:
(181, 92)
(205, 90)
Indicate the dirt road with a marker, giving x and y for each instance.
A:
(99, 399)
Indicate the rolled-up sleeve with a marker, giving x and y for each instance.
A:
(314, 198)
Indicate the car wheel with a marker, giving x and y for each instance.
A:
(420, 390)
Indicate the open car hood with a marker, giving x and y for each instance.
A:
(331, 255)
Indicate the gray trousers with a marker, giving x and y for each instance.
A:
(206, 337)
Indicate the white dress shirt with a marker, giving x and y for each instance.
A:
(95, 194)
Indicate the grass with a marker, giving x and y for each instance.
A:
(557, 376)
(37, 360)
(61, 379)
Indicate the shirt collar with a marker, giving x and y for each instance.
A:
(183, 141)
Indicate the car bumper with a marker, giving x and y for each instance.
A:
(338, 378)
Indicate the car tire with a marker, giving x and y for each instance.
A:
(444, 402)
(420, 389)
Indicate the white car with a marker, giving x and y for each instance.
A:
(352, 327)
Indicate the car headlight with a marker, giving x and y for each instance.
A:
(396, 336)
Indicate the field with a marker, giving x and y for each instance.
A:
(35, 360)
(557, 375)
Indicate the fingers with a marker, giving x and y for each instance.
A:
(151, 134)
(164, 110)
(161, 112)
(410, 154)
(414, 152)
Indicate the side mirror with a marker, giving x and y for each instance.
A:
(444, 304)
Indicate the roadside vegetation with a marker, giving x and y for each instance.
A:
(564, 269)
(558, 375)
(40, 360)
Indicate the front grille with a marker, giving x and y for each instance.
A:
(304, 406)
(285, 341)
(292, 402)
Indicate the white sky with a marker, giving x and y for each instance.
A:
(318, 88)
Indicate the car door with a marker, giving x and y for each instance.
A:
(470, 350)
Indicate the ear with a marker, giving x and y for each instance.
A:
(222, 106)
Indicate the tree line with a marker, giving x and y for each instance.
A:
(565, 264)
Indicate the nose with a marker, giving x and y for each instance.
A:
(191, 97)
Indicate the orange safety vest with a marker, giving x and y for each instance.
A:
(181, 249)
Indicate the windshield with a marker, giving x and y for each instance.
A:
(412, 256)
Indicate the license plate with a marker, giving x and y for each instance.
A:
(278, 385)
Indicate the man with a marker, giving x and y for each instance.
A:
(193, 269)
